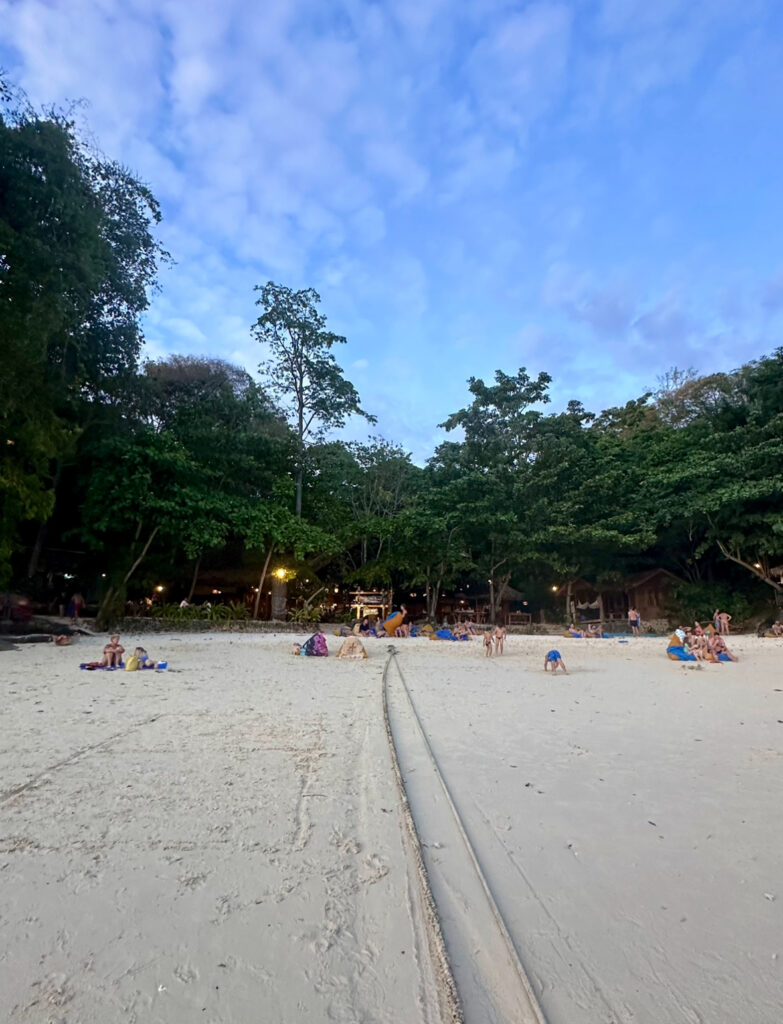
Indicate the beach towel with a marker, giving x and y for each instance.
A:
(95, 666)
(352, 649)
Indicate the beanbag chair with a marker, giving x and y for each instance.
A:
(392, 623)
(352, 649)
(679, 654)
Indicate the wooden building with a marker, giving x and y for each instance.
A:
(609, 602)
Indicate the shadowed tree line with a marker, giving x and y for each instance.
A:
(131, 473)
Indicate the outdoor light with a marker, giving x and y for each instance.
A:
(159, 588)
(280, 573)
(103, 575)
(757, 565)
(554, 587)
(337, 590)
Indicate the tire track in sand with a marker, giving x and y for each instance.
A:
(484, 979)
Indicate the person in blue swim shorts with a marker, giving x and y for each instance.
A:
(554, 659)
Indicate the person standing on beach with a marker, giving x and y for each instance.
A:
(75, 607)
(634, 621)
(500, 637)
(488, 643)
(722, 620)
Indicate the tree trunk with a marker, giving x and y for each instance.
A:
(261, 580)
(432, 601)
(299, 481)
(568, 603)
(43, 529)
(193, 582)
(110, 605)
(759, 573)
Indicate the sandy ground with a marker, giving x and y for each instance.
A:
(223, 842)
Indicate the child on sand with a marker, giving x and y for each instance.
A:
(113, 652)
(488, 643)
(554, 658)
(500, 636)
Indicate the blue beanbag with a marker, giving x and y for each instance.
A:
(679, 654)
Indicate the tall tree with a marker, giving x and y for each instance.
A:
(77, 262)
(301, 371)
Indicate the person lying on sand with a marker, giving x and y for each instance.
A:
(555, 659)
(113, 652)
(575, 632)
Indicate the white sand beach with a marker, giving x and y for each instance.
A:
(225, 842)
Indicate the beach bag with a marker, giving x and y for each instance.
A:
(132, 664)
(316, 647)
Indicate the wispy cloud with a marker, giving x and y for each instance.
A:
(467, 185)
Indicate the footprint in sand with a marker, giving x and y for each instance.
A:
(372, 869)
(185, 973)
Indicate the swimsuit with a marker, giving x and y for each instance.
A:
(553, 656)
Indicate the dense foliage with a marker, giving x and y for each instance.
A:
(123, 475)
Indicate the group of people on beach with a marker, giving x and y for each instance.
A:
(701, 643)
(112, 658)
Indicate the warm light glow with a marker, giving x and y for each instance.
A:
(103, 575)
(554, 587)
(337, 590)
(280, 573)
(160, 588)
(757, 565)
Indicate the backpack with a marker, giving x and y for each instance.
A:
(316, 647)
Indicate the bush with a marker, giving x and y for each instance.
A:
(235, 610)
(691, 602)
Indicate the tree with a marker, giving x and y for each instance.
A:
(77, 262)
(301, 370)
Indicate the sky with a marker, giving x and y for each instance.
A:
(586, 187)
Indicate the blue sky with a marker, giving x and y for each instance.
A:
(591, 188)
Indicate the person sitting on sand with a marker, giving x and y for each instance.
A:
(717, 646)
(113, 652)
(488, 643)
(145, 661)
(364, 626)
(697, 630)
(777, 629)
(578, 633)
(499, 637)
(594, 630)
(555, 659)
(696, 643)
